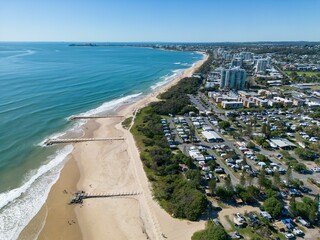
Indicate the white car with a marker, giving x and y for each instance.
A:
(240, 217)
(297, 232)
(289, 235)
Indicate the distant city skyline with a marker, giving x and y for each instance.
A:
(160, 21)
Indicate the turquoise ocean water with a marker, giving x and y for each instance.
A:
(41, 85)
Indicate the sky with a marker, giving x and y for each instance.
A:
(159, 20)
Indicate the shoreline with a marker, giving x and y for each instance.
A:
(109, 167)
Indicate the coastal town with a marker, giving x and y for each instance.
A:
(160, 120)
(240, 140)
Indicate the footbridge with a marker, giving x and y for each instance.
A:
(78, 197)
(75, 140)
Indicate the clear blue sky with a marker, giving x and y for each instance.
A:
(159, 20)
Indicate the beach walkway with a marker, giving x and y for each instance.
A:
(92, 117)
(75, 140)
(79, 196)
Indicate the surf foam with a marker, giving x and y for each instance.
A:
(105, 107)
(18, 206)
(167, 78)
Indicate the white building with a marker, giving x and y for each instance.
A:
(231, 105)
(212, 136)
(262, 65)
(234, 78)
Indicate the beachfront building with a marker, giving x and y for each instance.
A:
(233, 79)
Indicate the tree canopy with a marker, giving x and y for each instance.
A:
(212, 232)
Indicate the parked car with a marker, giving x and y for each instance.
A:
(240, 217)
(216, 222)
(236, 235)
(297, 232)
(289, 236)
(303, 222)
(266, 215)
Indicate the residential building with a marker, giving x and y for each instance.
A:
(262, 65)
(246, 102)
(286, 102)
(246, 55)
(259, 102)
(298, 102)
(231, 105)
(236, 62)
(234, 79)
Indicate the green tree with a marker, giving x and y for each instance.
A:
(212, 186)
(293, 206)
(224, 124)
(248, 131)
(305, 154)
(273, 206)
(228, 183)
(276, 179)
(251, 145)
(259, 140)
(243, 179)
(265, 145)
(192, 133)
(249, 179)
(223, 192)
(263, 181)
(289, 174)
(212, 232)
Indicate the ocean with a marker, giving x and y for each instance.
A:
(41, 86)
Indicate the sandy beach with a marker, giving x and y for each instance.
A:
(108, 167)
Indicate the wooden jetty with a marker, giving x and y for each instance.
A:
(75, 140)
(89, 117)
(78, 197)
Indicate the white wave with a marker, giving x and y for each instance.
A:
(177, 63)
(107, 106)
(76, 128)
(18, 206)
(24, 53)
(167, 78)
(186, 64)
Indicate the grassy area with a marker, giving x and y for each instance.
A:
(308, 74)
(127, 123)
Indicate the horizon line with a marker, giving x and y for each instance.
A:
(168, 42)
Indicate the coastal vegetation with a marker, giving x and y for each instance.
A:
(127, 122)
(212, 232)
(176, 99)
(178, 195)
